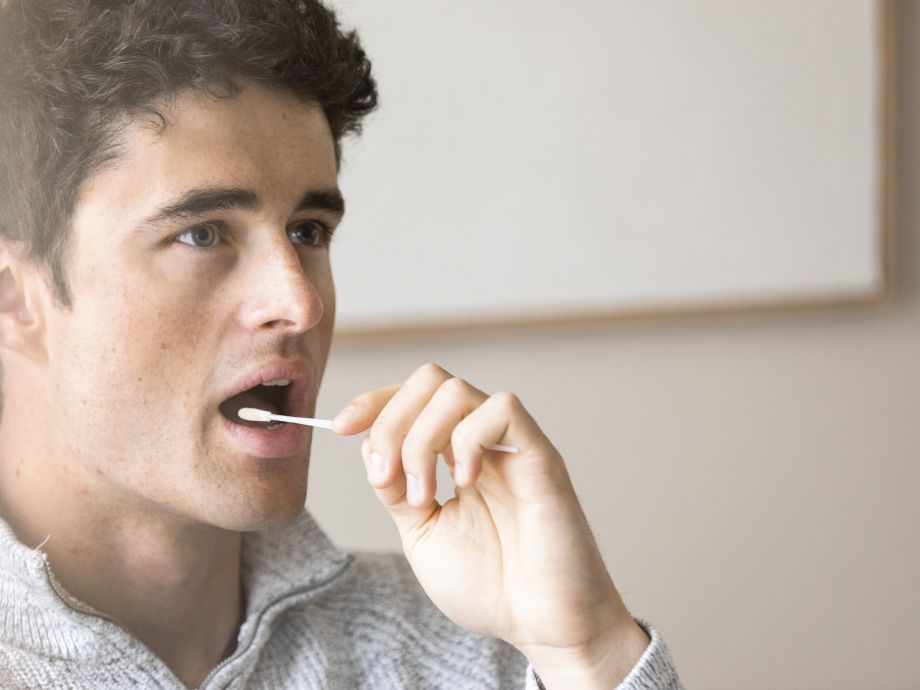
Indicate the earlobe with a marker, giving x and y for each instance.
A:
(20, 323)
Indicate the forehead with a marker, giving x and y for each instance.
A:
(260, 131)
(262, 139)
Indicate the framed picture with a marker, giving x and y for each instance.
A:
(535, 162)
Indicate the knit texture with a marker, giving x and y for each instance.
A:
(316, 618)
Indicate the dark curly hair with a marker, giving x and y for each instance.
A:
(72, 70)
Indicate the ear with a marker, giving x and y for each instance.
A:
(21, 322)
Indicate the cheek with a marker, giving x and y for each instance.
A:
(127, 383)
(128, 351)
(319, 273)
(326, 290)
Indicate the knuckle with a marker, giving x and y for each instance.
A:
(456, 386)
(507, 400)
(431, 371)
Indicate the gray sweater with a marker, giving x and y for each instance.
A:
(315, 618)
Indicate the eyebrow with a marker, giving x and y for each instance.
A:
(323, 200)
(204, 200)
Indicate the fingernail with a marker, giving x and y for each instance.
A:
(459, 473)
(378, 465)
(413, 488)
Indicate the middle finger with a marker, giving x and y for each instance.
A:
(430, 434)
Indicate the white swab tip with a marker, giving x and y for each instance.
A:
(251, 414)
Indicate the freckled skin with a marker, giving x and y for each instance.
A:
(124, 472)
(158, 331)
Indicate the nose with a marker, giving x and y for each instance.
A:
(279, 294)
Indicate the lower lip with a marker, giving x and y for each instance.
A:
(285, 442)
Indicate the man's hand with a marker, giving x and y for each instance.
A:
(511, 554)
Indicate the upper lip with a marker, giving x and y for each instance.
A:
(297, 371)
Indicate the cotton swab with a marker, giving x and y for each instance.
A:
(251, 414)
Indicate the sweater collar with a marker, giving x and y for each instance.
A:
(22, 568)
(286, 559)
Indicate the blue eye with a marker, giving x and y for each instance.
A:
(202, 236)
(311, 233)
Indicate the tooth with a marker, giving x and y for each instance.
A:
(273, 427)
(278, 382)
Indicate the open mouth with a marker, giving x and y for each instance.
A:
(271, 396)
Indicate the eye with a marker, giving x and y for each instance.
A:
(311, 233)
(203, 236)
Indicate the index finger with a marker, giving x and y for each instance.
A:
(359, 414)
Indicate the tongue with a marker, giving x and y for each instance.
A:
(231, 407)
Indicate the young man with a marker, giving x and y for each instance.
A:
(168, 191)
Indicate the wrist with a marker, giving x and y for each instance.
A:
(601, 664)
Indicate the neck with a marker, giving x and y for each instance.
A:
(172, 583)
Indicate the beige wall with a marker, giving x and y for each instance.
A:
(753, 481)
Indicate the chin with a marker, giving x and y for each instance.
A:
(281, 508)
(263, 508)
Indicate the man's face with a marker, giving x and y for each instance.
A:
(198, 265)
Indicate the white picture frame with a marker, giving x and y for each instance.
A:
(543, 163)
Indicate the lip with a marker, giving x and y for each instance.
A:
(290, 439)
(285, 442)
(297, 372)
